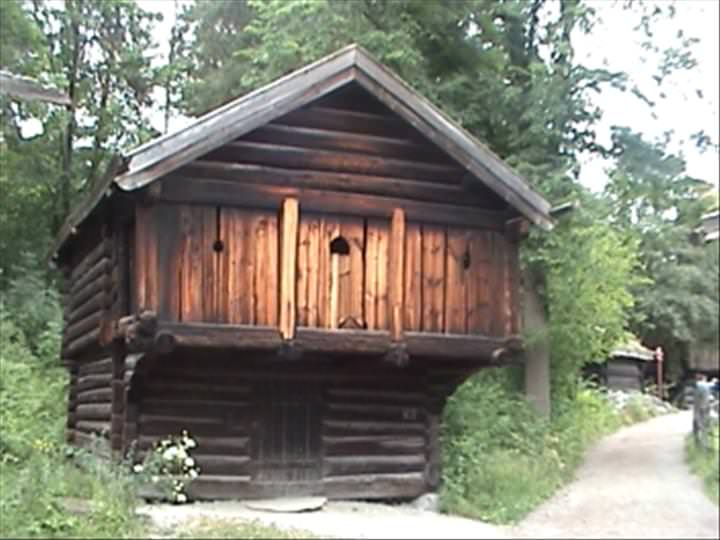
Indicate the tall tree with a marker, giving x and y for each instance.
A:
(96, 52)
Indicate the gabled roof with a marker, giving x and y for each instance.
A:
(164, 154)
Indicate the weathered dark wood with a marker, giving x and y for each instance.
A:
(102, 283)
(227, 445)
(400, 188)
(355, 427)
(295, 157)
(346, 140)
(376, 395)
(102, 366)
(187, 190)
(433, 451)
(215, 336)
(480, 348)
(92, 382)
(93, 426)
(103, 249)
(336, 119)
(360, 464)
(100, 268)
(83, 326)
(81, 343)
(373, 445)
(98, 395)
(438, 128)
(98, 302)
(93, 411)
(343, 341)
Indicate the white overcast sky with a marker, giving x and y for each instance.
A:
(613, 44)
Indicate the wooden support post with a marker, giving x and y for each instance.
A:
(397, 264)
(289, 235)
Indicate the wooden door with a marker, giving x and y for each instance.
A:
(287, 442)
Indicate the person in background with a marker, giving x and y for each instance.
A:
(701, 408)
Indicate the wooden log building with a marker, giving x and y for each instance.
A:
(299, 278)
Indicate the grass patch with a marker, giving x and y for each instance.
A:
(37, 476)
(501, 459)
(232, 528)
(706, 463)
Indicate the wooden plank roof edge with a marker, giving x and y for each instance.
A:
(143, 164)
(30, 89)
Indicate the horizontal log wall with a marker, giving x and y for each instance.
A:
(378, 437)
(91, 401)
(346, 142)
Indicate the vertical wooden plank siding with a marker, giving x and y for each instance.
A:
(236, 267)
(289, 238)
(514, 286)
(397, 264)
(458, 257)
(198, 263)
(167, 224)
(413, 277)
(351, 271)
(146, 269)
(478, 287)
(308, 271)
(433, 268)
(328, 229)
(497, 282)
(265, 244)
(377, 247)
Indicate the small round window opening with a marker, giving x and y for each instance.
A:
(339, 246)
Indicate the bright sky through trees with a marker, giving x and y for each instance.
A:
(615, 44)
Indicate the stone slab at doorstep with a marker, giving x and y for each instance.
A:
(287, 504)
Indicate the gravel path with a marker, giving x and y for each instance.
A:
(633, 484)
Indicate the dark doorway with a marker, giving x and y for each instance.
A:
(287, 441)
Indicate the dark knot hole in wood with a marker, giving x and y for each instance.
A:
(218, 246)
(466, 260)
(339, 246)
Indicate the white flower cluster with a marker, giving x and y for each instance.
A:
(170, 464)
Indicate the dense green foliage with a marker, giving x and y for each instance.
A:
(36, 475)
(501, 459)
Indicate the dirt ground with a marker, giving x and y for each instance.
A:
(633, 484)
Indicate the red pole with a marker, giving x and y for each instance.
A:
(659, 356)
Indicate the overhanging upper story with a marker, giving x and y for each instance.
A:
(332, 200)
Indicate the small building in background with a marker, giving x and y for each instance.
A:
(626, 368)
(710, 226)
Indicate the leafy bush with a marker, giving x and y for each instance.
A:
(502, 459)
(37, 478)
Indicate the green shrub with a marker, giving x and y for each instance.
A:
(37, 475)
(501, 459)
